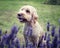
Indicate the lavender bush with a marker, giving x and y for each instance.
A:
(53, 30)
(48, 26)
(11, 41)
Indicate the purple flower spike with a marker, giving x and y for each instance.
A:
(30, 45)
(29, 32)
(58, 43)
(2, 45)
(17, 42)
(53, 30)
(59, 32)
(0, 36)
(13, 33)
(48, 26)
(48, 41)
(0, 32)
(55, 41)
(14, 29)
(48, 37)
(5, 36)
(45, 36)
(48, 44)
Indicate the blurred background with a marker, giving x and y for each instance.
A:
(48, 11)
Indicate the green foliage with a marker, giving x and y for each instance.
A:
(54, 2)
(41, 1)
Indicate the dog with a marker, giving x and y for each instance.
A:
(28, 15)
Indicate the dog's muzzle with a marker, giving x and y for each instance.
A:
(20, 17)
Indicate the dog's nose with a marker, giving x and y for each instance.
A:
(19, 14)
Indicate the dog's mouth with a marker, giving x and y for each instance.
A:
(22, 19)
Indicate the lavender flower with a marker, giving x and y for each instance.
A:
(0, 35)
(14, 29)
(59, 27)
(53, 30)
(59, 22)
(9, 46)
(55, 41)
(4, 37)
(48, 41)
(48, 44)
(13, 33)
(1, 40)
(0, 32)
(17, 43)
(2, 45)
(27, 42)
(8, 41)
(48, 26)
(29, 32)
(11, 41)
(45, 36)
(48, 37)
(58, 44)
(12, 45)
(30, 45)
(59, 32)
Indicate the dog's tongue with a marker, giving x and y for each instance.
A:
(21, 19)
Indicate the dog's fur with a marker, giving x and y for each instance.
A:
(28, 15)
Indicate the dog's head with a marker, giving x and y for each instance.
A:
(27, 13)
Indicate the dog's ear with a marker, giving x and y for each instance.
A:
(34, 16)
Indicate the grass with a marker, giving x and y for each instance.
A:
(9, 9)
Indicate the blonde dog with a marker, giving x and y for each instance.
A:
(28, 15)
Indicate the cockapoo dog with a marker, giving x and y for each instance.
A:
(28, 15)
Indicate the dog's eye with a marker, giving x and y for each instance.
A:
(27, 11)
